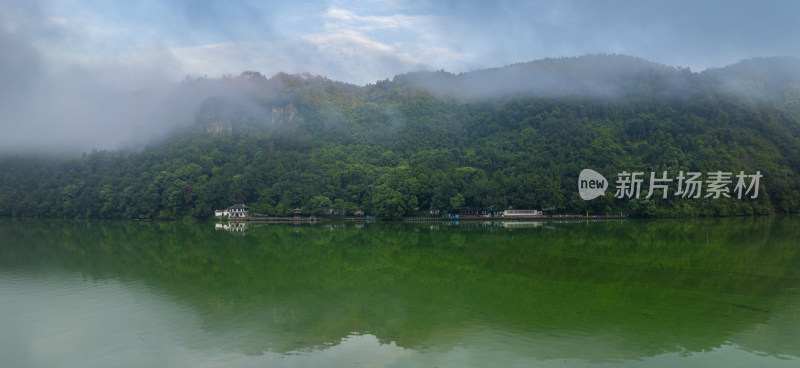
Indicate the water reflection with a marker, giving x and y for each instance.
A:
(417, 294)
(236, 228)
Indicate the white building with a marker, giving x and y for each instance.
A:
(237, 211)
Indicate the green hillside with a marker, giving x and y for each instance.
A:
(513, 137)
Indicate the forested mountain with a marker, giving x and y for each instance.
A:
(513, 137)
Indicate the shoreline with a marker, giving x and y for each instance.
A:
(426, 219)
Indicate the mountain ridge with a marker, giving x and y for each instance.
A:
(432, 142)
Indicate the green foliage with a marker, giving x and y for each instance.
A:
(320, 205)
(457, 201)
(398, 147)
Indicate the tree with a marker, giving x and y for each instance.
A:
(387, 202)
(320, 205)
(457, 201)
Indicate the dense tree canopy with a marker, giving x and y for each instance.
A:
(515, 137)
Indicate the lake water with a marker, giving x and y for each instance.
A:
(708, 292)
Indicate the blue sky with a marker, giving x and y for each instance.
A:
(72, 54)
(364, 41)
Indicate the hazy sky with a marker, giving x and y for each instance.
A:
(68, 67)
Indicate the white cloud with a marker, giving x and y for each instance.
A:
(351, 47)
(380, 46)
(372, 22)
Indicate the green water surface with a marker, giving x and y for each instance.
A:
(707, 292)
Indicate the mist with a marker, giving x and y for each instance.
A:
(106, 75)
(595, 76)
(56, 103)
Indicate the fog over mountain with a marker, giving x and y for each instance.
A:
(426, 142)
(105, 74)
(79, 112)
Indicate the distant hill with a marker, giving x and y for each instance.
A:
(434, 142)
(588, 76)
(771, 80)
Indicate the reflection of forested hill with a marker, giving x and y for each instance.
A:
(656, 287)
(515, 136)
